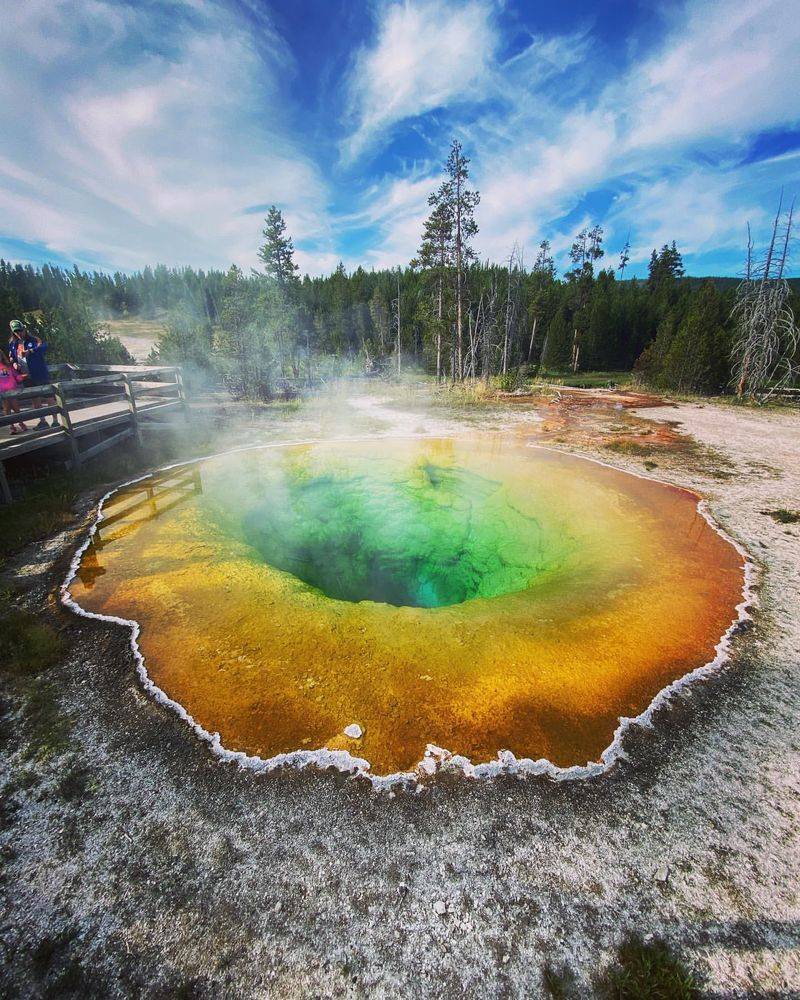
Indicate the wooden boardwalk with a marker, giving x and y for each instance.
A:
(93, 408)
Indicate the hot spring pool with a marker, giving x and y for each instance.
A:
(476, 594)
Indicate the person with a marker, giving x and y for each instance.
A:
(27, 353)
(10, 379)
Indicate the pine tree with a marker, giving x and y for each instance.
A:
(586, 249)
(436, 255)
(277, 250)
(697, 359)
(544, 264)
(624, 257)
(462, 202)
(557, 346)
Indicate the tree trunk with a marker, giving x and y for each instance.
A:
(576, 350)
(459, 317)
(533, 339)
(439, 333)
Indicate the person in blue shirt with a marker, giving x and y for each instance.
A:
(27, 353)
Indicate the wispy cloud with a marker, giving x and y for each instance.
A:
(143, 132)
(427, 54)
(134, 133)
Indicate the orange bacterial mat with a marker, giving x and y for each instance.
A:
(477, 594)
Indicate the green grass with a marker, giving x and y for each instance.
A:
(558, 982)
(649, 972)
(49, 730)
(628, 448)
(587, 380)
(783, 516)
(27, 644)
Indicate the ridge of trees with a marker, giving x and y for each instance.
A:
(447, 312)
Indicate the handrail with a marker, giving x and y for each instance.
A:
(67, 395)
(115, 373)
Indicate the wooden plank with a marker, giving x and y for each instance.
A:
(106, 443)
(82, 404)
(127, 370)
(151, 408)
(81, 383)
(20, 444)
(29, 435)
(33, 413)
(160, 389)
(91, 426)
(31, 392)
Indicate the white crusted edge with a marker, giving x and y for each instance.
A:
(435, 757)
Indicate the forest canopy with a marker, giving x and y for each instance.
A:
(447, 312)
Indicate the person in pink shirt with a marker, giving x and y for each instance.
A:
(10, 379)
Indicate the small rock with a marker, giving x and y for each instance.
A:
(354, 731)
(661, 874)
(440, 907)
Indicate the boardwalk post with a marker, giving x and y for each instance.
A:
(5, 489)
(66, 422)
(132, 407)
(181, 392)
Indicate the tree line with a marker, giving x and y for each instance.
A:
(447, 312)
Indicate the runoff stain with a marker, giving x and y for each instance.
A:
(472, 593)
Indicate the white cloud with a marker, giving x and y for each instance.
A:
(730, 69)
(428, 54)
(143, 133)
(724, 72)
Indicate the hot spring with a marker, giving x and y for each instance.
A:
(476, 594)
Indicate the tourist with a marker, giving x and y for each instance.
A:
(10, 379)
(27, 353)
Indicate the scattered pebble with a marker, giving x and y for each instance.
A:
(662, 874)
(440, 907)
(354, 731)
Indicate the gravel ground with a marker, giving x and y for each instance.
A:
(135, 864)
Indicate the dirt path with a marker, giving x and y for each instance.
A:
(134, 864)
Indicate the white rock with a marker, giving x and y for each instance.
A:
(354, 731)
(440, 907)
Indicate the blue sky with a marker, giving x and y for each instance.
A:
(160, 130)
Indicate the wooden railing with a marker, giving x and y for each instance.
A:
(85, 403)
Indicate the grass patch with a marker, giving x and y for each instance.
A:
(26, 644)
(649, 972)
(783, 516)
(49, 729)
(558, 982)
(588, 380)
(628, 448)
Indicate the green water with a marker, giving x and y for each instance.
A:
(421, 534)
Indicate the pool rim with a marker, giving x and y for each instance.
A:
(432, 761)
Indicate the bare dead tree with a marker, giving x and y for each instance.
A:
(490, 322)
(766, 336)
(397, 318)
(515, 266)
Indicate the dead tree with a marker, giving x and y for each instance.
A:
(766, 335)
(514, 267)
(397, 321)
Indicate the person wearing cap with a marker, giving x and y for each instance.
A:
(27, 353)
